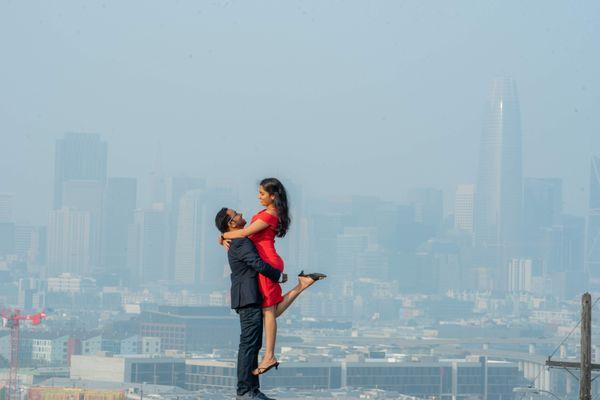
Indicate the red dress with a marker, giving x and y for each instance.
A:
(265, 245)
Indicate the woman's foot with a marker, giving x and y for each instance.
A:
(306, 280)
(265, 365)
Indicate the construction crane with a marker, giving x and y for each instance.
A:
(11, 319)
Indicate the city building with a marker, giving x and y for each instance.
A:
(176, 187)
(428, 204)
(147, 245)
(6, 208)
(349, 245)
(464, 200)
(191, 329)
(129, 369)
(78, 156)
(31, 294)
(29, 243)
(474, 377)
(197, 260)
(150, 345)
(43, 349)
(438, 268)
(592, 250)
(520, 273)
(69, 242)
(542, 203)
(70, 393)
(69, 283)
(91, 345)
(498, 199)
(120, 198)
(7, 238)
(86, 195)
(121, 343)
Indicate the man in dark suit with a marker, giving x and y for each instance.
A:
(246, 264)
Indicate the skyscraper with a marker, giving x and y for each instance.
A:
(147, 245)
(499, 182)
(353, 242)
(520, 275)
(86, 195)
(119, 204)
(69, 242)
(197, 260)
(7, 238)
(78, 156)
(30, 243)
(592, 250)
(542, 203)
(6, 207)
(176, 187)
(463, 208)
(428, 204)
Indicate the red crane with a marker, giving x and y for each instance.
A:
(12, 319)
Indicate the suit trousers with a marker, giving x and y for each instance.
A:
(251, 323)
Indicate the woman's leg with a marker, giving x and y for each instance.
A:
(270, 326)
(288, 298)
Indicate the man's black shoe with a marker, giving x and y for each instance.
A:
(261, 396)
(246, 396)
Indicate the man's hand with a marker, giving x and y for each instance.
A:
(284, 278)
(226, 243)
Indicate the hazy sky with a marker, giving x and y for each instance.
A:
(350, 97)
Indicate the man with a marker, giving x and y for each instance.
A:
(246, 264)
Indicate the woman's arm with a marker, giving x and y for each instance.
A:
(253, 228)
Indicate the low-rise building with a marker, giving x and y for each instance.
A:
(443, 379)
(191, 329)
(129, 369)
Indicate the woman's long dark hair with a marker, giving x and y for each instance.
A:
(276, 188)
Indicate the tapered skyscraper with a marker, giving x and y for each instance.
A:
(498, 199)
(592, 252)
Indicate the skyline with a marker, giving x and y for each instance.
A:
(357, 106)
(439, 163)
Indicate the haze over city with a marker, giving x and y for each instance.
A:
(354, 97)
(441, 162)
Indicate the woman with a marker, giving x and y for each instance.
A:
(273, 221)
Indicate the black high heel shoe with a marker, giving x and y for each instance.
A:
(264, 370)
(315, 276)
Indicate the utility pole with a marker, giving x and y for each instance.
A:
(585, 382)
(585, 363)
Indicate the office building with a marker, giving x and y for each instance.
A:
(69, 242)
(191, 329)
(78, 156)
(592, 250)
(499, 182)
(197, 260)
(520, 275)
(6, 207)
(119, 205)
(129, 369)
(464, 201)
(147, 245)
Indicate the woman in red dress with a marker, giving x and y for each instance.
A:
(269, 223)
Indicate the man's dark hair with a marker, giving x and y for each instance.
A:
(222, 220)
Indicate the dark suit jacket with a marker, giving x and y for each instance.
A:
(246, 264)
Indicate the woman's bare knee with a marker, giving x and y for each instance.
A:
(268, 311)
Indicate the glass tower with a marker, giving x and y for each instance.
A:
(499, 183)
